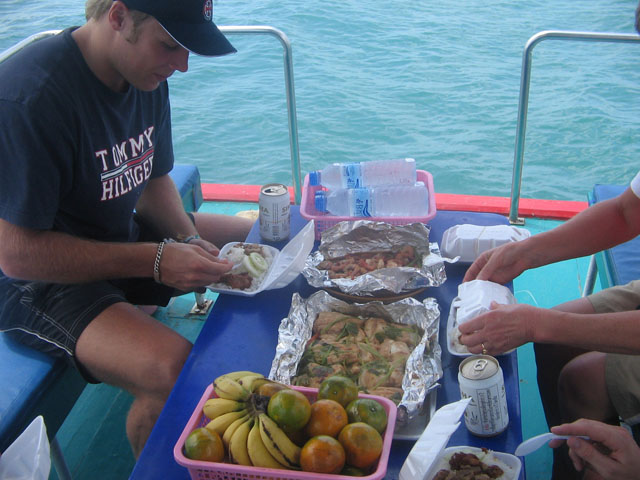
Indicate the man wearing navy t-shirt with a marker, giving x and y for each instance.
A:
(85, 141)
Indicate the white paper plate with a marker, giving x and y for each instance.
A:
(286, 264)
(221, 288)
(509, 463)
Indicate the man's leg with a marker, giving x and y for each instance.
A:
(550, 361)
(582, 390)
(129, 349)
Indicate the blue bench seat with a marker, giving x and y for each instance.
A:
(187, 179)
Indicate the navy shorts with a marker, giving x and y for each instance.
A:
(50, 317)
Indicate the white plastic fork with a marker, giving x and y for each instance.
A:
(534, 443)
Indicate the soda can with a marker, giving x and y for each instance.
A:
(480, 378)
(275, 212)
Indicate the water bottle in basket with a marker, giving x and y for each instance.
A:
(401, 171)
(380, 201)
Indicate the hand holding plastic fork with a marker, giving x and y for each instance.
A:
(534, 443)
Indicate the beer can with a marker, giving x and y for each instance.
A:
(480, 378)
(275, 212)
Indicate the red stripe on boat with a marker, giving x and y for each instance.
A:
(528, 207)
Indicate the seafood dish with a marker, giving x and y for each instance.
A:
(371, 351)
(374, 260)
(355, 264)
(472, 463)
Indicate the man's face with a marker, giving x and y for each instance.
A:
(148, 55)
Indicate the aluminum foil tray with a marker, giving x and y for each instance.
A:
(423, 368)
(371, 236)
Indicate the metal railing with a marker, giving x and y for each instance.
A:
(523, 102)
(290, 92)
(288, 79)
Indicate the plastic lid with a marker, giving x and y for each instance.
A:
(321, 201)
(314, 178)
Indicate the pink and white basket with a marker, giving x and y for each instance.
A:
(324, 221)
(202, 470)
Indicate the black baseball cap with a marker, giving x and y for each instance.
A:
(189, 22)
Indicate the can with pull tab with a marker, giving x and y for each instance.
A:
(275, 212)
(480, 378)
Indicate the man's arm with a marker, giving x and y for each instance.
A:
(48, 256)
(57, 257)
(599, 227)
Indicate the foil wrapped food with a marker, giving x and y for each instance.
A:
(423, 367)
(359, 236)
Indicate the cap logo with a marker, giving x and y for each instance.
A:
(207, 10)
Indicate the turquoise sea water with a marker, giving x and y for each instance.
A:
(437, 81)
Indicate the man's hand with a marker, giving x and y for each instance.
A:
(187, 266)
(619, 459)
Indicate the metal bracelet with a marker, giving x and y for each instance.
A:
(156, 263)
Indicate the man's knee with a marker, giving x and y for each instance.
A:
(582, 389)
(166, 369)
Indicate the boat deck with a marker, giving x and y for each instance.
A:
(93, 436)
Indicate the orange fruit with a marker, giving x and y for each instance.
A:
(362, 444)
(322, 454)
(341, 389)
(269, 388)
(204, 444)
(290, 409)
(369, 411)
(328, 417)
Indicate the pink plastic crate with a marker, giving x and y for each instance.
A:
(324, 221)
(227, 471)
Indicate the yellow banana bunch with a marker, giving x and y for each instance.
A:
(238, 415)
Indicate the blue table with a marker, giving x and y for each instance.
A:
(241, 334)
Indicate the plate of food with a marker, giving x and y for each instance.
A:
(258, 267)
(251, 265)
(472, 463)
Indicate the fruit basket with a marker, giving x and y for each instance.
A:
(202, 470)
(324, 221)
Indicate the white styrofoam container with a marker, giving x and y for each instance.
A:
(474, 298)
(510, 464)
(469, 241)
